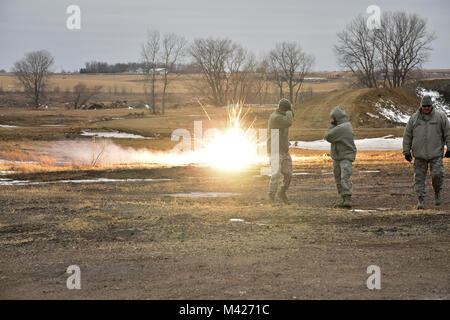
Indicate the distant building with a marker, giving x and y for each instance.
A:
(156, 70)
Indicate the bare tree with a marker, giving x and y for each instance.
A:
(150, 54)
(356, 51)
(275, 73)
(227, 68)
(404, 45)
(172, 50)
(399, 46)
(239, 66)
(210, 56)
(33, 72)
(82, 94)
(261, 80)
(291, 65)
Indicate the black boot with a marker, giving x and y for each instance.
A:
(437, 198)
(272, 198)
(282, 195)
(338, 204)
(420, 205)
(347, 201)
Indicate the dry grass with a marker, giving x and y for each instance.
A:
(315, 112)
(179, 84)
(131, 237)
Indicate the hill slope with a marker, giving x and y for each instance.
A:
(371, 108)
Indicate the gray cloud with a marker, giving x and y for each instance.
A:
(113, 30)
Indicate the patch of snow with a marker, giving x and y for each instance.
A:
(314, 79)
(370, 171)
(5, 172)
(372, 115)
(53, 125)
(202, 194)
(370, 144)
(107, 180)
(114, 134)
(243, 221)
(7, 126)
(250, 105)
(389, 111)
(19, 162)
(14, 183)
(131, 108)
(294, 174)
(362, 210)
(9, 182)
(437, 98)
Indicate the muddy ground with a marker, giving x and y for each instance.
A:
(133, 241)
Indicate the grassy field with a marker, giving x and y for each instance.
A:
(37, 132)
(146, 231)
(133, 83)
(137, 240)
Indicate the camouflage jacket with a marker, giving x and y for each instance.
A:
(426, 135)
(340, 135)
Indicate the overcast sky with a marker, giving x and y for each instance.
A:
(114, 30)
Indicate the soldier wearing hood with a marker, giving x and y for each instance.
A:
(426, 133)
(281, 119)
(343, 152)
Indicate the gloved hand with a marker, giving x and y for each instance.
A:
(447, 154)
(408, 157)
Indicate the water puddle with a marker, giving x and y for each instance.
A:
(202, 194)
(113, 134)
(295, 174)
(243, 221)
(5, 172)
(10, 182)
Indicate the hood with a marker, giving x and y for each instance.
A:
(421, 113)
(338, 114)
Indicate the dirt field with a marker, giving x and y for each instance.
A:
(132, 240)
(176, 238)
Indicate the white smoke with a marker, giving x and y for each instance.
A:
(106, 152)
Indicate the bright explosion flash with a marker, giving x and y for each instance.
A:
(230, 150)
(233, 148)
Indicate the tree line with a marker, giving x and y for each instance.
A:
(131, 67)
(385, 56)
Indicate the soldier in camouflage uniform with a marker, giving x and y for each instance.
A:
(281, 119)
(343, 152)
(426, 133)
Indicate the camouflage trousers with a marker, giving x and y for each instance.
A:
(342, 170)
(285, 169)
(420, 173)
